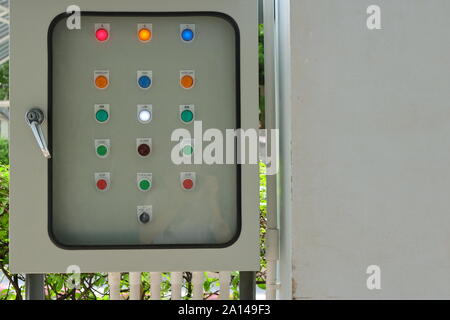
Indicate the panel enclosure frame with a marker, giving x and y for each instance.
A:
(31, 249)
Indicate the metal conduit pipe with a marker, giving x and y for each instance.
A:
(177, 283)
(197, 283)
(114, 285)
(272, 234)
(135, 286)
(155, 285)
(224, 280)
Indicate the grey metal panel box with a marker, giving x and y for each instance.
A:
(60, 214)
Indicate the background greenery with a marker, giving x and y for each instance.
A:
(4, 81)
(95, 286)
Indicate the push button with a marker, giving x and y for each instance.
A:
(187, 116)
(101, 82)
(188, 184)
(187, 113)
(144, 150)
(102, 116)
(145, 35)
(102, 31)
(144, 32)
(187, 35)
(188, 150)
(144, 79)
(144, 214)
(145, 82)
(102, 184)
(188, 180)
(144, 181)
(101, 113)
(187, 32)
(144, 147)
(187, 79)
(145, 185)
(102, 181)
(187, 82)
(145, 113)
(187, 147)
(102, 148)
(102, 34)
(144, 218)
(101, 79)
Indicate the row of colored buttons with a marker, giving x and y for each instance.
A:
(144, 181)
(144, 79)
(144, 32)
(103, 181)
(143, 148)
(144, 113)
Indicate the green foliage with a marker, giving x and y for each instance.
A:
(261, 54)
(90, 286)
(15, 289)
(4, 81)
(262, 117)
(261, 275)
(4, 152)
(235, 285)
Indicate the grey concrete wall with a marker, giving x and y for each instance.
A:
(370, 149)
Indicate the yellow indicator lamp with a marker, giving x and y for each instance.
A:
(145, 35)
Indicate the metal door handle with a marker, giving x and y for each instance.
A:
(34, 118)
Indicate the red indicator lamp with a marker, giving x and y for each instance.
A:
(102, 184)
(188, 184)
(102, 34)
(144, 150)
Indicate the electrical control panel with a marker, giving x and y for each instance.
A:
(112, 93)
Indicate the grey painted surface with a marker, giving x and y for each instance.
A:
(370, 148)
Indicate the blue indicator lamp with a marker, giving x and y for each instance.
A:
(187, 35)
(144, 82)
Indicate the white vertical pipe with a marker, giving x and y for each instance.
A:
(114, 285)
(272, 257)
(272, 249)
(155, 285)
(283, 72)
(197, 283)
(177, 284)
(224, 279)
(135, 286)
